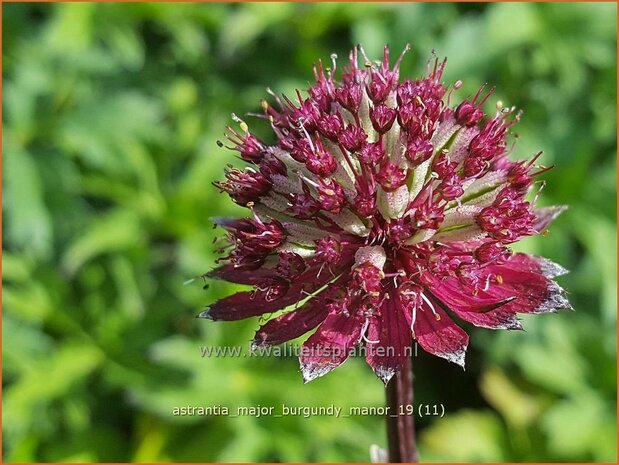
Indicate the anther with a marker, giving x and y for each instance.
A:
(242, 124)
(334, 61)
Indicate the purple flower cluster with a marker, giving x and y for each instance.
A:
(379, 211)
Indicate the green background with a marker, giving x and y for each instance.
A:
(111, 113)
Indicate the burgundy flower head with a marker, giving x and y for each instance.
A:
(379, 215)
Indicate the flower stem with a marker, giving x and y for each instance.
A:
(400, 421)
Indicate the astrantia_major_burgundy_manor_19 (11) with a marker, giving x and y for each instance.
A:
(379, 214)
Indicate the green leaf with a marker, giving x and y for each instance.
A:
(466, 436)
(517, 407)
(117, 231)
(100, 132)
(29, 225)
(575, 427)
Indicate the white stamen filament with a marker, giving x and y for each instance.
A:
(334, 62)
(309, 139)
(363, 336)
(307, 180)
(539, 191)
(414, 311)
(255, 215)
(429, 303)
(321, 268)
(487, 286)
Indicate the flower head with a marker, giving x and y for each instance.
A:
(380, 213)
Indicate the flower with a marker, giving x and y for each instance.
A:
(380, 214)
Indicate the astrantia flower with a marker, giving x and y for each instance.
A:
(380, 214)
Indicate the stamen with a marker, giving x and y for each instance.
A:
(407, 49)
(420, 102)
(306, 179)
(532, 161)
(330, 270)
(431, 306)
(413, 317)
(539, 191)
(271, 93)
(363, 336)
(413, 313)
(321, 268)
(309, 139)
(490, 92)
(487, 286)
(250, 205)
(334, 61)
(242, 124)
(367, 62)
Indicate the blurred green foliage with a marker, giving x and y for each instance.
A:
(111, 113)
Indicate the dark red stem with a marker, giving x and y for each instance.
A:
(400, 422)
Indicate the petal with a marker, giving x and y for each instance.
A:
(390, 339)
(501, 318)
(549, 268)
(292, 324)
(233, 274)
(373, 254)
(460, 216)
(439, 335)
(546, 215)
(536, 293)
(481, 310)
(330, 345)
(534, 264)
(225, 222)
(349, 222)
(247, 304)
(464, 234)
(244, 305)
(393, 204)
(450, 292)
